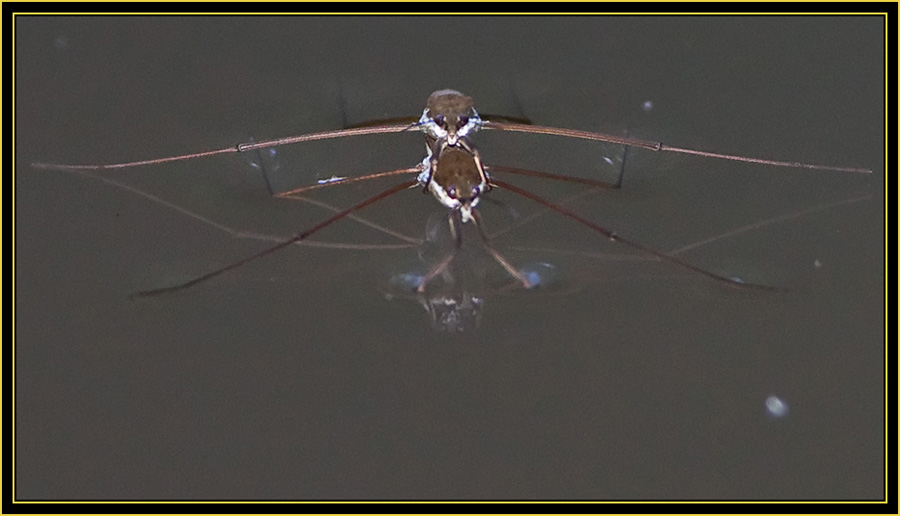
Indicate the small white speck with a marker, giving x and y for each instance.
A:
(817, 264)
(647, 106)
(775, 407)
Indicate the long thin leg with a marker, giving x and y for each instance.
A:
(241, 147)
(556, 177)
(293, 194)
(413, 120)
(538, 213)
(399, 128)
(476, 218)
(406, 120)
(544, 175)
(547, 175)
(282, 245)
(659, 146)
(263, 163)
(613, 236)
(347, 180)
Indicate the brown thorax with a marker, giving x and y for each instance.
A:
(449, 115)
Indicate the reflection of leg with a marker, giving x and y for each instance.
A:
(454, 219)
(618, 183)
(769, 221)
(517, 102)
(476, 219)
(342, 104)
(387, 231)
(274, 249)
(237, 233)
(439, 268)
(266, 162)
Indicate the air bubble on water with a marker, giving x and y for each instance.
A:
(647, 106)
(817, 264)
(408, 281)
(776, 407)
(538, 274)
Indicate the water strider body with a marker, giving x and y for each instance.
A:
(453, 172)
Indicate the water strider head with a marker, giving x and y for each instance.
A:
(449, 115)
(456, 177)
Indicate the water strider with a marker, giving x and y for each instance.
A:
(454, 173)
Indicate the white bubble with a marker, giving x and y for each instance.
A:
(776, 407)
(408, 281)
(647, 105)
(538, 274)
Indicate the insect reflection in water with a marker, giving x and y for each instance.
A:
(454, 173)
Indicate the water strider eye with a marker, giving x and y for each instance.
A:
(439, 120)
(452, 192)
(475, 192)
(463, 120)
